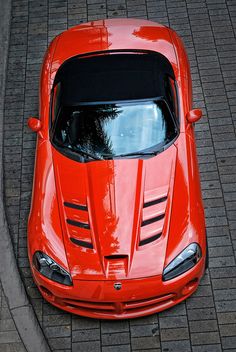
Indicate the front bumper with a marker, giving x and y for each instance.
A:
(136, 298)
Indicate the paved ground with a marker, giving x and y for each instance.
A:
(207, 321)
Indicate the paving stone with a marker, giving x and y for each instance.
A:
(201, 338)
(86, 335)
(227, 329)
(178, 310)
(116, 326)
(173, 322)
(144, 330)
(226, 306)
(7, 325)
(199, 302)
(55, 320)
(57, 331)
(150, 319)
(119, 338)
(207, 348)
(121, 348)
(12, 347)
(140, 343)
(173, 346)
(93, 346)
(229, 342)
(198, 314)
(61, 343)
(9, 336)
(227, 318)
(80, 323)
(174, 334)
(203, 325)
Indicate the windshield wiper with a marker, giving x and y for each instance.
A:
(80, 151)
(138, 154)
(161, 148)
(92, 156)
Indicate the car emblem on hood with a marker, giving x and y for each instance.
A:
(117, 286)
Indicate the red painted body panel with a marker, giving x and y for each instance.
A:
(115, 192)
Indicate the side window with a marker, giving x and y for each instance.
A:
(172, 97)
(55, 102)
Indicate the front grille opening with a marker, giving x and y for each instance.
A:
(150, 221)
(101, 307)
(116, 256)
(92, 309)
(98, 306)
(76, 206)
(83, 225)
(155, 201)
(150, 239)
(81, 243)
(149, 302)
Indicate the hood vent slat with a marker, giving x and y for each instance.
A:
(78, 224)
(150, 239)
(116, 256)
(81, 243)
(155, 201)
(75, 206)
(150, 221)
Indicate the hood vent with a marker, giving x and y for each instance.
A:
(116, 256)
(77, 217)
(78, 224)
(82, 243)
(150, 221)
(150, 239)
(76, 206)
(153, 215)
(155, 201)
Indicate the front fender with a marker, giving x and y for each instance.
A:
(187, 218)
(44, 225)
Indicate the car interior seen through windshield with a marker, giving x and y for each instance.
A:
(117, 124)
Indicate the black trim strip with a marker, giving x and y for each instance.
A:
(78, 223)
(155, 201)
(150, 239)
(75, 206)
(127, 101)
(150, 221)
(81, 243)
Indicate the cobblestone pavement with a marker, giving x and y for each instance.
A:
(206, 322)
(9, 336)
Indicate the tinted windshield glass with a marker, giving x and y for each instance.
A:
(109, 130)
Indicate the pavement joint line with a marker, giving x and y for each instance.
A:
(22, 311)
(18, 307)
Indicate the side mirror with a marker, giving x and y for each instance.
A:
(34, 124)
(194, 115)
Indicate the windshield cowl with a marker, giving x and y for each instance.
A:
(83, 157)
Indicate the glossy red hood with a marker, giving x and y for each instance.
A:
(115, 214)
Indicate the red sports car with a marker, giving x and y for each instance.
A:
(116, 227)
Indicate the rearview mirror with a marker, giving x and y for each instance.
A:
(34, 124)
(194, 115)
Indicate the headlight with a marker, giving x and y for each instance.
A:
(183, 262)
(49, 268)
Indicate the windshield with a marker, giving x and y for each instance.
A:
(114, 129)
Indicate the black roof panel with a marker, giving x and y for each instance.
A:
(113, 77)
